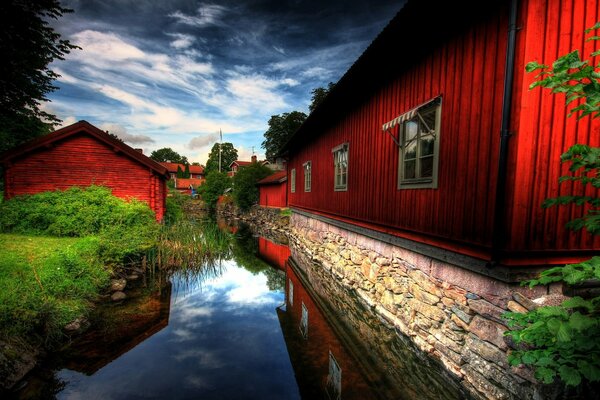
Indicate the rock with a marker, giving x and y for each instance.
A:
(133, 277)
(423, 296)
(490, 331)
(486, 350)
(117, 285)
(118, 296)
(550, 300)
(17, 358)
(489, 390)
(466, 318)
(459, 322)
(516, 307)
(382, 261)
(524, 301)
(76, 325)
(425, 282)
(487, 310)
(427, 310)
(356, 257)
(472, 296)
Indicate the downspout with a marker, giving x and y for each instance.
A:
(499, 225)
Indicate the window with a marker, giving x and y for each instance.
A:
(340, 167)
(304, 322)
(290, 292)
(307, 176)
(419, 142)
(293, 180)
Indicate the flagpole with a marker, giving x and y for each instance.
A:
(220, 143)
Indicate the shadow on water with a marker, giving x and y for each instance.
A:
(225, 313)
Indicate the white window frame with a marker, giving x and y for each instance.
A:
(293, 180)
(420, 182)
(307, 166)
(340, 173)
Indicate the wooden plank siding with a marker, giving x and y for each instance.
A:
(459, 209)
(81, 159)
(467, 70)
(273, 195)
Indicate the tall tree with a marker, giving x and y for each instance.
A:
(318, 95)
(245, 192)
(186, 172)
(167, 154)
(228, 155)
(281, 129)
(215, 185)
(28, 44)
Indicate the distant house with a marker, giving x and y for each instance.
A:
(235, 166)
(83, 155)
(273, 190)
(196, 171)
(188, 185)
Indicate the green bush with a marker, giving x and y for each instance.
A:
(175, 203)
(215, 185)
(124, 229)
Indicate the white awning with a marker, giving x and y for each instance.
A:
(406, 116)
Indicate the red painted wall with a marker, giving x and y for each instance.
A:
(81, 160)
(273, 195)
(468, 72)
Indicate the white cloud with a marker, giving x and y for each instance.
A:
(207, 14)
(181, 41)
(202, 141)
(127, 137)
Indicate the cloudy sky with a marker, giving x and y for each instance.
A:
(172, 73)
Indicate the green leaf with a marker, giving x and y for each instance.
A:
(529, 358)
(564, 333)
(589, 371)
(593, 28)
(569, 375)
(533, 65)
(578, 302)
(546, 375)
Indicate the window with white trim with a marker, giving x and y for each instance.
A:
(340, 167)
(307, 176)
(293, 180)
(419, 147)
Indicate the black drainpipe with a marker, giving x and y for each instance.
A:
(499, 226)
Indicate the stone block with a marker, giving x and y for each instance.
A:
(489, 331)
(356, 257)
(425, 282)
(466, 318)
(459, 322)
(423, 296)
(484, 386)
(486, 350)
(382, 261)
(427, 310)
(524, 301)
(452, 355)
(516, 307)
(487, 310)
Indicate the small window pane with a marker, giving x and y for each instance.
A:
(427, 143)
(411, 151)
(410, 130)
(427, 167)
(409, 169)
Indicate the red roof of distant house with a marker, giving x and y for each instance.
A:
(75, 128)
(184, 183)
(277, 177)
(196, 169)
(241, 163)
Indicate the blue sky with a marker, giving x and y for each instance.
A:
(172, 73)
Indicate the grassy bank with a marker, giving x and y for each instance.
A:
(47, 282)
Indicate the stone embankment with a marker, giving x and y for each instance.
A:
(267, 222)
(450, 313)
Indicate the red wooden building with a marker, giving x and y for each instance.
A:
(83, 155)
(196, 171)
(442, 148)
(274, 254)
(273, 190)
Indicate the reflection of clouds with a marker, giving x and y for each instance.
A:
(242, 287)
(205, 358)
(183, 334)
(198, 382)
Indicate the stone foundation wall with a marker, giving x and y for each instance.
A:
(450, 313)
(266, 221)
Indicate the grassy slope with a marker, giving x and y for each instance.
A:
(46, 282)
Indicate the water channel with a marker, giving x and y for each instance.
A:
(250, 325)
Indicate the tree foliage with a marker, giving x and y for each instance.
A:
(281, 129)
(245, 192)
(28, 45)
(186, 171)
(167, 154)
(215, 185)
(318, 95)
(228, 155)
(562, 341)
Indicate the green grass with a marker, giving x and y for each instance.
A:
(47, 282)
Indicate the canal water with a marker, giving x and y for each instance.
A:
(251, 325)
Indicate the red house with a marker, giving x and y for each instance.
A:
(274, 254)
(417, 183)
(83, 155)
(186, 185)
(273, 190)
(432, 148)
(196, 171)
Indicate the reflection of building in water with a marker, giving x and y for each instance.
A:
(274, 254)
(317, 354)
(128, 325)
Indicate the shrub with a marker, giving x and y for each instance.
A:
(215, 185)
(245, 192)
